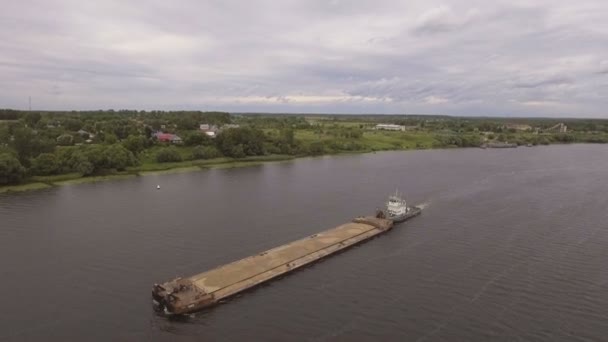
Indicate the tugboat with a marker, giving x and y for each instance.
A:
(397, 209)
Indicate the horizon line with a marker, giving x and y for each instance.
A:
(312, 113)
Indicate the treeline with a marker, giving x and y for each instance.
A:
(467, 140)
(437, 123)
(9, 114)
(105, 142)
(476, 140)
(30, 154)
(39, 143)
(90, 142)
(276, 121)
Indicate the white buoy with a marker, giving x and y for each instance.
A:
(158, 187)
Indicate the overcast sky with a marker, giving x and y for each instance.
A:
(459, 57)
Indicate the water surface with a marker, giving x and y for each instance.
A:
(511, 245)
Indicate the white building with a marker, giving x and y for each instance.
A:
(390, 127)
(208, 127)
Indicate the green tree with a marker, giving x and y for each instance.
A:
(74, 160)
(9, 114)
(251, 142)
(88, 126)
(197, 138)
(23, 142)
(104, 157)
(118, 157)
(155, 124)
(285, 143)
(96, 156)
(5, 135)
(205, 152)
(11, 170)
(32, 118)
(78, 162)
(148, 132)
(186, 123)
(72, 124)
(272, 148)
(29, 144)
(167, 155)
(287, 136)
(135, 143)
(65, 140)
(237, 151)
(45, 164)
(317, 148)
(110, 138)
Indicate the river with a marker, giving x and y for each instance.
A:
(512, 244)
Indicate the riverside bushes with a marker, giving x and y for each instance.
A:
(168, 155)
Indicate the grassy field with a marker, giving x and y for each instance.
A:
(154, 167)
(148, 156)
(244, 163)
(56, 178)
(375, 140)
(168, 171)
(94, 179)
(397, 140)
(24, 187)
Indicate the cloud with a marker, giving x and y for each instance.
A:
(540, 58)
(603, 67)
(540, 103)
(544, 82)
(432, 99)
(443, 19)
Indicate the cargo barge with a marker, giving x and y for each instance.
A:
(187, 295)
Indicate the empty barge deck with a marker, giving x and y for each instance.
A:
(185, 295)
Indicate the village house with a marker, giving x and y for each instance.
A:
(209, 130)
(167, 137)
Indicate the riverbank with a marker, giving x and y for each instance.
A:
(145, 169)
(45, 182)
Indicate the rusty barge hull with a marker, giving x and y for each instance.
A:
(186, 295)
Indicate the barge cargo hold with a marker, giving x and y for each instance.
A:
(187, 295)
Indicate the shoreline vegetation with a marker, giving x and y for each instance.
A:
(45, 182)
(39, 150)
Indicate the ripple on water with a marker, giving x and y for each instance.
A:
(511, 245)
